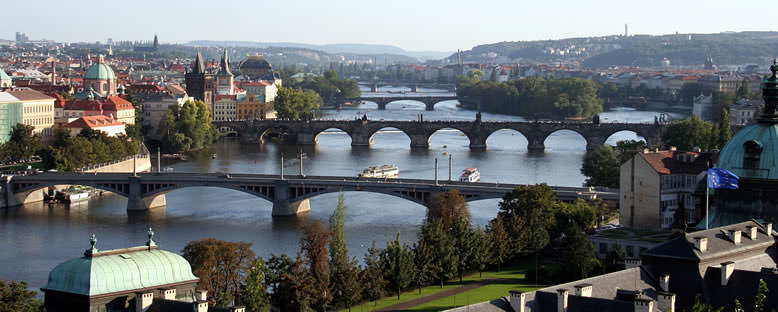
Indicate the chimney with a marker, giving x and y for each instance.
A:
(769, 228)
(632, 263)
(583, 290)
(201, 306)
(664, 282)
(646, 151)
(701, 243)
(673, 148)
(752, 232)
(238, 309)
(143, 301)
(517, 300)
(726, 271)
(202, 295)
(735, 236)
(168, 294)
(561, 300)
(643, 304)
(666, 301)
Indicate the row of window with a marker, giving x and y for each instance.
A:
(676, 181)
(39, 121)
(38, 109)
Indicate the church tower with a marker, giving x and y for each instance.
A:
(156, 43)
(225, 78)
(199, 84)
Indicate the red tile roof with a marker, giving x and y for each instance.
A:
(93, 122)
(669, 162)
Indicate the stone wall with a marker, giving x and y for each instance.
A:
(142, 163)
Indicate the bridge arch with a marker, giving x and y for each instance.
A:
(418, 198)
(386, 131)
(622, 135)
(416, 105)
(264, 193)
(346, 133)
(567, 139)
(507, 136)
(461, 138)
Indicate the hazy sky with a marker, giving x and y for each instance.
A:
(440, 25)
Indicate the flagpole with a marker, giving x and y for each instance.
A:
(707, 204)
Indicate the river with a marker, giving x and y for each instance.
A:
(37, 237)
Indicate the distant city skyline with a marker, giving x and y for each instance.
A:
(411, 25)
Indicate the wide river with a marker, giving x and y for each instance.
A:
(36, 237)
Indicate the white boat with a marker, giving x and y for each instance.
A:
(383, 171)
(73, 194)
(470, 175)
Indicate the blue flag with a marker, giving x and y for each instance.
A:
(722, 179)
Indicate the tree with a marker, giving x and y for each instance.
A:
(22, 143)
(423, 257)
(296, 103)
(742, 91)
(255, 292)
(500, 240)
(463, 236)
(220, 265)
(300, 285)
(345, 274)
(187, 127)
(761, 296)
(577, 255)
(373, 274)
(601, 167)
(628, 148)
(16, 296)
(279, 268)
(449, 207)
(314, 247)
(614, 260)
(725, 130)
(443, 246)
(481, 255)
(532, 206)
(397, 261)
(688, 133)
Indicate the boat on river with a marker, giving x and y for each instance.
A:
(73, 194)
(470, 175)
(383, 171)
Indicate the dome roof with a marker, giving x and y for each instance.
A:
(119, 270)
(3, 75)
(254, 62)
(100, 71)
(760, 140)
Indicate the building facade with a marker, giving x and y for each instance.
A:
(199, 84)
(28, 107)
(653, 185)
(100, 78)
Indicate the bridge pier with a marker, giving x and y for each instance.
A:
(536, 144)
(361, 140)
(415, 88)
(477, 143)
(306, 138)
(593, 143)
(381, 104)
(419, 141)
(137, 202)
(281, 205)
(374, 88)
(430, 105)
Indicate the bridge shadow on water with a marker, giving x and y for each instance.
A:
(150, 216)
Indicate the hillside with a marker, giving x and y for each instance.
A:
(338, 48)
(639, 50)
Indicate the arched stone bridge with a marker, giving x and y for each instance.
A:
(382, 101)
(288, 194)
(362, 131)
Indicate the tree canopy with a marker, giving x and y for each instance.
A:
(296, 103)
(187, 127)
(601, 167)
(221, 267)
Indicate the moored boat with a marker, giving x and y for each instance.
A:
(470, 175)
(383, 171)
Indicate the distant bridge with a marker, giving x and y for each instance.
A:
(414, 86)
(382, 101)
(362, 131)
(289, 194)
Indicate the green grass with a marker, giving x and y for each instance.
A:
(514, 273)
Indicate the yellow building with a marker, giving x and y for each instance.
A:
(28, 107)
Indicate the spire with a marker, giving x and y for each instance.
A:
(770, 96)
(156, 42)
(93, 250)
(224, 68)
(197, 66)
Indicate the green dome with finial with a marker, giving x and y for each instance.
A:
(753, 151)
(100, 71)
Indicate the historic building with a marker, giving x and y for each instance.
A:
(751, 154)
(199, 84)
(110, 126)
(255, 67)
(653, 185)
(112, 106)
(28, 107)
(225, 80)
(252, 107)
(5, 80)
(100, 78)
(143, 279)
(154, 47)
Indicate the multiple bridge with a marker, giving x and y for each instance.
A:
(428, 100)
(289, 194)
(362, 131)
(414, 86)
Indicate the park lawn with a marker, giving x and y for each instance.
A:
(513, 272)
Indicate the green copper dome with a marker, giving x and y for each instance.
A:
(3, 75)
(100, 71)
(120, 270)
(752, 152)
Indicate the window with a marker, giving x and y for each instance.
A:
(753, 151)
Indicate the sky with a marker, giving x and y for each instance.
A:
(414, 25)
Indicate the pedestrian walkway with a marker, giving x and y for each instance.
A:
(403, 306)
